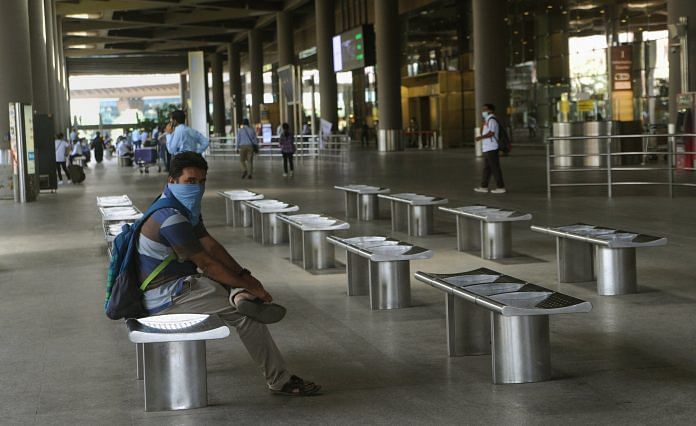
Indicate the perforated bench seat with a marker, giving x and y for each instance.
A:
(307, 235)
(361, 200)
(171, 358)
(380, 266)
(587, 251)
(486, 309)
(412, 213)
(485, 228)
(237, 213)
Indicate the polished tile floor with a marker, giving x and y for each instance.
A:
(631, 360)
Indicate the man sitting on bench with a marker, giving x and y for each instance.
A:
(223, 288)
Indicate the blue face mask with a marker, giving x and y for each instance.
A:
(190, 195)
(485, 114)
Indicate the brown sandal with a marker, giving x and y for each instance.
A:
(298, 387)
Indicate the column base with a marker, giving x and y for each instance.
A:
(496, 240)
(574, 261)
(389, 140)
(468, 327)
(420, 220)
(521, 350)
(616, 271)
(390, 284)
(175, 375)
(468, 234)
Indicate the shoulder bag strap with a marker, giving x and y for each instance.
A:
(167, 260)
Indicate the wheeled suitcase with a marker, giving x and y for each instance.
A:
(146, 156)
(77, 174)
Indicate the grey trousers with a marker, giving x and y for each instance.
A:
(201, 295)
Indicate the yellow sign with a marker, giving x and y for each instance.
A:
(585, 105)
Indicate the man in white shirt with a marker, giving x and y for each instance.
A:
(61, 148)
(490, 134)
(136, 138)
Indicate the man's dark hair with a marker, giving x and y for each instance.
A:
(186, 159)
(490, 107)
(59, 136)
(179, 116)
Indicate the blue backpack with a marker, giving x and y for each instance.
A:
(124, 292)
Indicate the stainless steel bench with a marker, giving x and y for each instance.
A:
(485, 228)
(412, 213)
(612, 251)
(361, 200)
(170, 355)
(308, 244)
(119, 214)
(266, 229)
(114, 201)
(380, 267)
(237, 213)
(488, 310)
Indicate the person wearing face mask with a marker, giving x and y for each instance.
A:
(223, 287)
(490, 134)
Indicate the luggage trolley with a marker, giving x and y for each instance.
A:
(147, 157)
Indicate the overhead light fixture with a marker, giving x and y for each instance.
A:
(85, 16)
(82, 33)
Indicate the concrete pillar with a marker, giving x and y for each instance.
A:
(183, 89)
(235, 85)
(63, 105)
(39, 67)
(218, 94)
(675, 10)
(49, 18)
(286, 46)
(286, 56)
(387, 37)
(15, 84)
(489, 63)
(206, 82)
(325, 23)
(256, 70)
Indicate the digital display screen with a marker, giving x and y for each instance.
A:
(354, 49)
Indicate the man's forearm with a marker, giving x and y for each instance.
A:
(218, 252)
(221, 273)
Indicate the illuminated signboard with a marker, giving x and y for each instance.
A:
(354, 49)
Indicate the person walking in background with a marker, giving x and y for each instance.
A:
(490, 134)
(98, 147)
(247, 144)
(163, 152)
(183, 137)
(287, 148)
(364, 134)
(62, 149)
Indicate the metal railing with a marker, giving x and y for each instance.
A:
(602, 156)
(329, 147)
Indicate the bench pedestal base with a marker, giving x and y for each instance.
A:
(358, 271)
(399, 216)
(468, 234)
(317, 253)
(468, 330)
(351, 204)
(237, 213)
(616, 270)
(574, 260)
(268, 230)
(420, 220)
(521, 350)
(496, 240)
(368, 206)
(175, 375)
(390, 284)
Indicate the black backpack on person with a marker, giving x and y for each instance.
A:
(504, 144)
